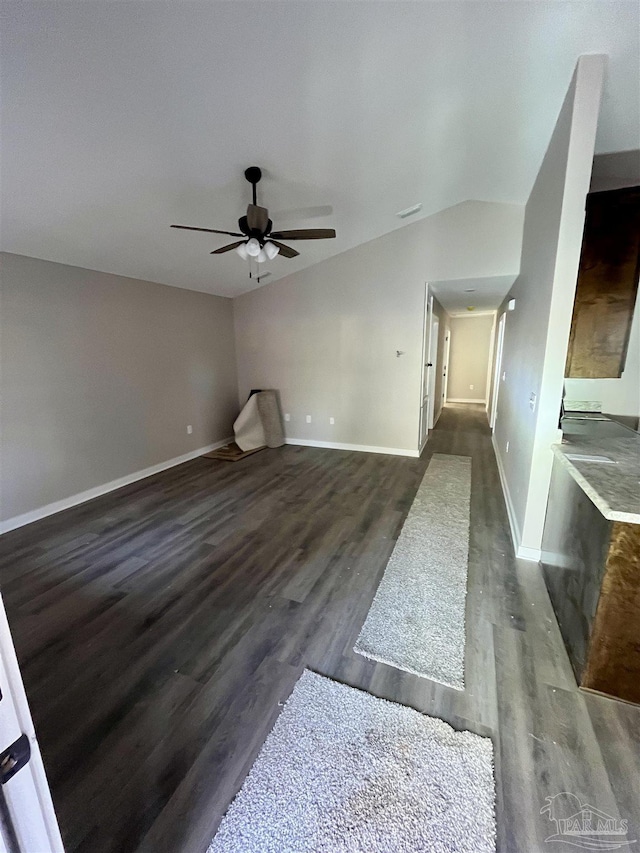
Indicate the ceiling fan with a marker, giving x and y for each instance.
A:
(259, 241)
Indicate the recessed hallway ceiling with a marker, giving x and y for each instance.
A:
(121, 118)
(484, 294)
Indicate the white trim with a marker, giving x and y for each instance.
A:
(497, 372)
(445, 365)
(492, 345)
(27, 795)
(362, 448)
(97, 491)
(521, 551)
(434, 334)
(477, 400)
(513, 521)
(423, 428)
(532, 554)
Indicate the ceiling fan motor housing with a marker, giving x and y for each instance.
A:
(260, 235)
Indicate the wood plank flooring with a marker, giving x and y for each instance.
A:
(161, 627)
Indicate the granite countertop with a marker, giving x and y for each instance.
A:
(613, 486)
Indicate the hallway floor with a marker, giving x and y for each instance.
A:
(159, 629)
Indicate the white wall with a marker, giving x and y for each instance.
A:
(100, 377)
(537, 331)
(469, 358)
(327, 336)
(618, 396)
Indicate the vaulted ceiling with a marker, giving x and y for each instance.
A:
(121, 118)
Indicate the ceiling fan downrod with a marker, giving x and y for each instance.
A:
(253, 174)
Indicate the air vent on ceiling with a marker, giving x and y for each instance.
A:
(402, 214)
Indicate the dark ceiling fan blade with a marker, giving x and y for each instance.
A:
(285, 251)
(208, 230)
(257, 217)
(305, 234)
(227, 248)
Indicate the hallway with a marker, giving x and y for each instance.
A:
(160, 627)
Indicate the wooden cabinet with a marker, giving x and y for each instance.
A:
(607, 285)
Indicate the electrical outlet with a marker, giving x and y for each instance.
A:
(332, 421)
(471, 387)
(287, 417)
(532, 402)
(504, 375)
(308, 419)
(507, 447)
(189, 429)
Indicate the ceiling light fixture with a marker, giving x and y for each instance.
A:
(271, 250)
(253, 247)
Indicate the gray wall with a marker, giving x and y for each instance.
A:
(327, 336)
(469, 357)
(100, 376)
(537, 331)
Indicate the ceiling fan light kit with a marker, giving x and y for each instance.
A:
(260, 242)
(253, 247)
(271, 250)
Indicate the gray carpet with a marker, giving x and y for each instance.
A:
(417, 618)
(344, 772)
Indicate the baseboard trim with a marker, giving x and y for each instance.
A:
(532, 554)
(522, 552)
(466, 400)
(513, 521)
(361, 448)
(97, 491)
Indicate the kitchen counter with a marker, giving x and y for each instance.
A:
(591, 553)
(608, 467)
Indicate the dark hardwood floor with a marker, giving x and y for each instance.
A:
(161, 627)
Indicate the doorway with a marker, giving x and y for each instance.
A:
(432, 366)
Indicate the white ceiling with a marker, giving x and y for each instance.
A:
(487, 293)
(121, 118)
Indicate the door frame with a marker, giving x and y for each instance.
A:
(422, 432)
(427, 401)
(29, 820)
(445, 364)
(497, 371)
(434, 330)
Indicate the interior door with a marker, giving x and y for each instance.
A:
(432, 366)
(27, 819)
(445, 365)
(425, 385)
